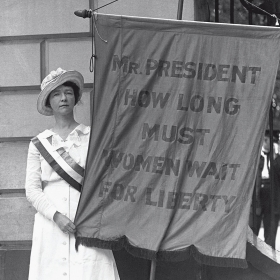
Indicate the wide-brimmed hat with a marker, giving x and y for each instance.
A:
(52, 81)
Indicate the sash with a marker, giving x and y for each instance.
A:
(61, 162)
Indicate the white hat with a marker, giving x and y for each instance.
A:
(52, 81)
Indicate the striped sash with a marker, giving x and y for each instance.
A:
(61, 162)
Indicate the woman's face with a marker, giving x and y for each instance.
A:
(62, 100)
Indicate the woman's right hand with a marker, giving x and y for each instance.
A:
(64, 223)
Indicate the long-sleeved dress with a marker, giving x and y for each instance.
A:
(53, 254)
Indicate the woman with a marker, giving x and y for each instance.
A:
(55, 166)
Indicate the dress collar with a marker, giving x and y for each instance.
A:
(73, 137)
(82, 129)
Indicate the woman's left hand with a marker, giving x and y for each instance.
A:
(64, 223)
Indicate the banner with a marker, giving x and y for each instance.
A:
(179, 114)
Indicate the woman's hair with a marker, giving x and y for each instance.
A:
(67, 84)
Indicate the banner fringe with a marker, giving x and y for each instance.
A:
(172, 256)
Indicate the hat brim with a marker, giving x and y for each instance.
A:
(68, 76)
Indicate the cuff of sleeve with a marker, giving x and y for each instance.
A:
(50, 213)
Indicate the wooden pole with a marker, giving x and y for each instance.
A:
(153, 270)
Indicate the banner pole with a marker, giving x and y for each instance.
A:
(153, 270)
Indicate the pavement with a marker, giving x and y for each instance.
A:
(277, 243)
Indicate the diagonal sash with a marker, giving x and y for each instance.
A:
(61, 162)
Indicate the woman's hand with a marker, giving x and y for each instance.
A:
(65, 224)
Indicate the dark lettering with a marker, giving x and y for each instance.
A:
(185, 201)
(191, 71)
(148, 132)
(254, 73)
(159, 162)
(222, 70)
(159, 99)
(144, 98)
(228, 202)
(170, 165)
(194, 166)
(120, 63)
(241, 75)
(133, 66)
(131, 190)
(144, 163)
(213, 103)
(133, 97)
(151, 65)
(231, 108)
(211, 170)
(104, 188)
(207, 76)
(234, 167)
(184, 134)
(197, 103)
(176, 70)
(117, 192)
(172, 200)
(128, 162)
(173, 134)
(149, 201)
(163, 65)
(214, 199)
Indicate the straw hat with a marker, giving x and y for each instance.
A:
(52, 81)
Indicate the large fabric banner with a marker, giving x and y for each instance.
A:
(179, 114)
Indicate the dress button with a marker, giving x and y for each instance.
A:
(64, 243)
(64, 259)
(64, 273)
(64, 198)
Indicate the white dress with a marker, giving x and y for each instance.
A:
(53, 254)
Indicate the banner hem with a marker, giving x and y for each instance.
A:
(172, 256)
